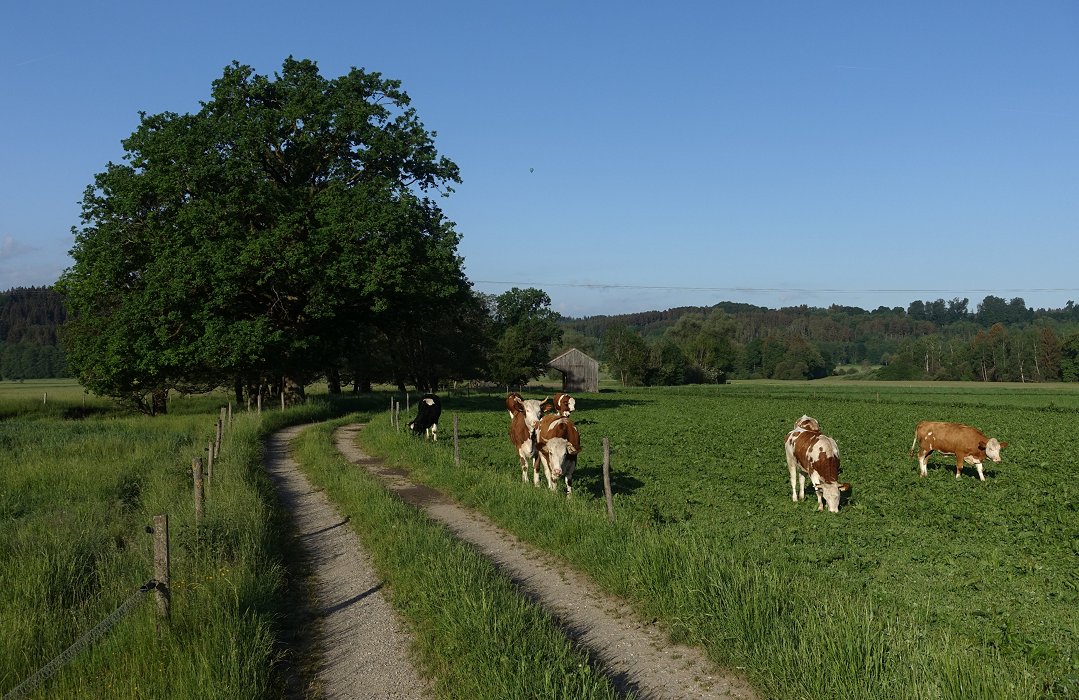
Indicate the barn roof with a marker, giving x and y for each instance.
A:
(571, 357)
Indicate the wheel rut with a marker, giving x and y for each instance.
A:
(637, 655)
(363, 647)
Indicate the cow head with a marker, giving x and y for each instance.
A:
(555, 452)
(807, 423)
(992, 449)
(533, 410)
(831, 491)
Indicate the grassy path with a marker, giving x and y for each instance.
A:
(636, 654)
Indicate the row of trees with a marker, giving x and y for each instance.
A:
(709, 347)
(704, 348)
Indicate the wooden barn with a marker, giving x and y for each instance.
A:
(579, 371)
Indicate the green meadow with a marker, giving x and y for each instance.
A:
(932, 587)
(918, 588)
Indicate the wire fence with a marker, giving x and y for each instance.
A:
(50, 669)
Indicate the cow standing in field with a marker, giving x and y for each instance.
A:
(532, 408)
(522, 436)
(558, 444)
(428, 411)
(561, 404)
(968, 444)
(809, 451)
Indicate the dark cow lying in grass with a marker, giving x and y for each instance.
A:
(428, 411)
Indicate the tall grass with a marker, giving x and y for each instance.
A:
(931, 588)
(477, 637)
(76, 495)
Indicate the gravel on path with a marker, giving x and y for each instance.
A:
(363, 647)
(637, 655)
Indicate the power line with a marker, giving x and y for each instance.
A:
(814, 290)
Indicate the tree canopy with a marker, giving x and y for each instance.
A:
(260, 238)
(525, 329)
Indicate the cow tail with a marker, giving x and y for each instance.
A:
(912, 446)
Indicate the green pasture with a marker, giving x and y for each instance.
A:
(918, 588)
(78, 488)
(925, 588)
(79, 483)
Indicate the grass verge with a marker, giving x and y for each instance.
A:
(476, 636)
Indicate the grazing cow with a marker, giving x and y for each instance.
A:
(524, 442)
(532, 408)
(558, 443)
(968, 444)
(811, 452)
(428, 411)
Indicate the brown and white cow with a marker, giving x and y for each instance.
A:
(809, 451)
(532, 408)
(558, 444)
(968, 444)
(524, 442)
(562, 404)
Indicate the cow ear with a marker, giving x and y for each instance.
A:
(844, 487)
(1003, 445)
(571, 450)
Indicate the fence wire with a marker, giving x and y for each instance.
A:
(81, 643)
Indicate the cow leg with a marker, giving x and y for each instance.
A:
(432, 432)
(958, 466)
(524, 467)
(923, 462)
(981, 474)
(797, 480)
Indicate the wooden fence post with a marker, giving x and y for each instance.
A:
(163, 593)
(607, 479)
(209, 464)
(230, 414)
(258, 401)
(456, 443)
(196, 472)
(45, 399)
(220, 429)
(391, 411)
(397, 415)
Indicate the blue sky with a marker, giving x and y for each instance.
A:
(627, 156)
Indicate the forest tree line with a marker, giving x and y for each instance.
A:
(506, 340)
(999, 340)
(30, 318)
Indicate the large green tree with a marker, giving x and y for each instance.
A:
(627, 354)
(255, 240)
(525, 330)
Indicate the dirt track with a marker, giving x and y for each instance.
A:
(637, 655)
(363, 648)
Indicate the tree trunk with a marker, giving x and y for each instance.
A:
(293, 390)
(238, 388)
(333, 381)
(159, 402)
